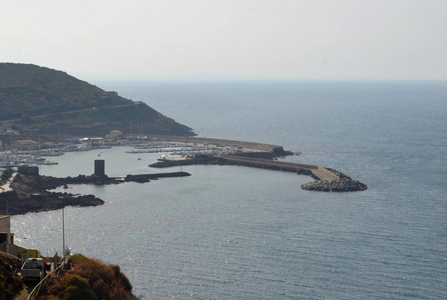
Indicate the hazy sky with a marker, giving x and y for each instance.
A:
(229, 39)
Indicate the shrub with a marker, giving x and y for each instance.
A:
(77, 257)
(90, 279)
(26, 119)
(77, 288)
(122, 278)
(6, 175)
(2, 287)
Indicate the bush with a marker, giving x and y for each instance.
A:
(26, 119)
(122, 278)
(77, 257)
(6, 175)
(2, 287)
(90, 279)
(77, 288)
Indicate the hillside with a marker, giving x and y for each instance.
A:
(89, 279)
(37, 100)
(10, 283)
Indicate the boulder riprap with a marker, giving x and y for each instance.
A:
(335, 186)
(142, 178)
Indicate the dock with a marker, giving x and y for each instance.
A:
(217, 142)
(319, 172)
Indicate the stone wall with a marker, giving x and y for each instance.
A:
(27, 170)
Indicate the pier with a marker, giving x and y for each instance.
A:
(259, 156)
(218, 142)
(319, 172)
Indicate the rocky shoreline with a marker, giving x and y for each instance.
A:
(31, 192)
(143, 178)
(13, 204)
(345, 184)
(334, 186)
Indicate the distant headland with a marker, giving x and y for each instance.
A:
(40, 101)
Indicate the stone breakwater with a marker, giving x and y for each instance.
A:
(343, 184)
(326, 179)
(143, 178)
(263, 156)
(334, 186)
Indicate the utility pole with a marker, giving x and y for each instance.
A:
(63, 228)
(63, 232)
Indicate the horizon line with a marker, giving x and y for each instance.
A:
(254, 80)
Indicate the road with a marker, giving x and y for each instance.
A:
(7, 186)
(73, 112)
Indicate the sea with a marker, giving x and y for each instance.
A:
(230, 232)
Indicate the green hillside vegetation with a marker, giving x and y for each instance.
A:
(38, 100)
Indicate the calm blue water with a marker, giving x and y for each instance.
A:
(241, 233)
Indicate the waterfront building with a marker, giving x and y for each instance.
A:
(26, 145)
(7, 238)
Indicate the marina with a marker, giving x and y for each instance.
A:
(171, 145)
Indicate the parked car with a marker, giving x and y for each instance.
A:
(33, 269)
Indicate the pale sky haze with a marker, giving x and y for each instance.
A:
(229, 39)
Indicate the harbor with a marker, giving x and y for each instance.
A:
(180, 150)
(30, 152)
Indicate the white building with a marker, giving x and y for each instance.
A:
(7, 238)
(5, 234)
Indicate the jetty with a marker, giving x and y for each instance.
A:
(218, 143)
(257, 155)
(318, 172)
(247, 147)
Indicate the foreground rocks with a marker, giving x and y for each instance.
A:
(10, 282)
(335, 186)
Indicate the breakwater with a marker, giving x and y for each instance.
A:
(260, 155)
(315, 171)
(326, 180)
(219, 142)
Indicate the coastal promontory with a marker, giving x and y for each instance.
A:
(41, 101)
